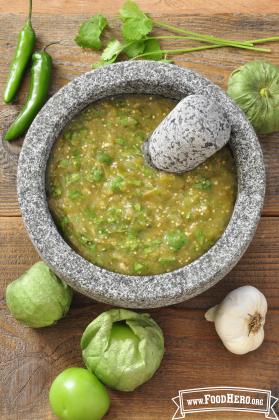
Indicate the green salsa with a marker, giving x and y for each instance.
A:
(118, 212)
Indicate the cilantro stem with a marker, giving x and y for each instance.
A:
(183, 50)
(263, 40)
(208, 38)
(205, 47)
(221, 44)
(200, 39)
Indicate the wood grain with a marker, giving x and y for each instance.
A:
(172, 7)
(70, 61)
(195, 357)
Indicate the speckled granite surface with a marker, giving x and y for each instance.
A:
(192, 132)
(138, 291)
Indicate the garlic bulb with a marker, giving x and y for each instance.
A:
(239, 319)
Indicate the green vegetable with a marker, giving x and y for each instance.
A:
(55, 191)
(39, 86)
(196, 36)
(135, 23)
(112, 51)
(38, 298)
(72, 178)
(63, 163)
(200, 237)
(97, 175)
(23, 52)
(138, 207)
(167, 260)
(138, 267)
(127, 121)
(63, 222)
(136, 28)
(76, 394)
(176, 239)
(204, 184)
(134, 48)
(74, 195)
(88, 243)
(255, 88)
(120, 141)
(123, 348)
(90, 32)
(153, 50)
(90, 213)
(104, 158)
(116, 184)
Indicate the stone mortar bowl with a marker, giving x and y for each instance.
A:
(145, 77)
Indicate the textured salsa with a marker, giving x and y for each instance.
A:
(118, 212)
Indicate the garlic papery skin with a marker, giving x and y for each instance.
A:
(239, 319)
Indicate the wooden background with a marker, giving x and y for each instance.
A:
(195, 357)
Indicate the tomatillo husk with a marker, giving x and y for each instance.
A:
(255, 89)
(123, 348)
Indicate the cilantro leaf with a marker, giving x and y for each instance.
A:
(135, 48)
(135, 24)
(115, 48)
(152, 47)
(112, 51)
(90, 31)
(130, 10)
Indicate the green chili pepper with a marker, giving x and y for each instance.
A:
(40, 81)
(25, 45)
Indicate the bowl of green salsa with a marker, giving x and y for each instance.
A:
(115, 228)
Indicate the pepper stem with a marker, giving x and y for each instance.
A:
(255, 323)
(52, 43)
(30, 11)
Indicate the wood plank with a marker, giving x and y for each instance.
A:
(166, 6)
(30, 359)
(259, 266)
(70, 61)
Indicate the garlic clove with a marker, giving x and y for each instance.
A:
(239, 319)
(211, 313)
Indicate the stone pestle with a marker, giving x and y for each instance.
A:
(192, 132)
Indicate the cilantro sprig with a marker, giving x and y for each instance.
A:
(137, 41)
(135, 24)
(90, 32)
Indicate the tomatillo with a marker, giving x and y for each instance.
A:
(255, 88)
(76, 394)
(123, 348)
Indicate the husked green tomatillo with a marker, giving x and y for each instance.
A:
(38, 298)
(123, 348)
(255, 88)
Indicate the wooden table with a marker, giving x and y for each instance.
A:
(195, 357)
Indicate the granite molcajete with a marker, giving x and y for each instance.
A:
(138, 291)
